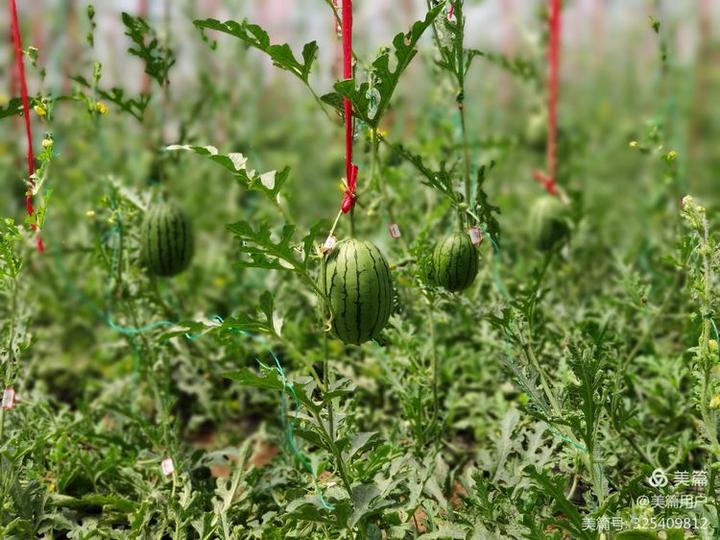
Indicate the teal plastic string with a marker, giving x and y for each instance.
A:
(289, 425)
(131, 331)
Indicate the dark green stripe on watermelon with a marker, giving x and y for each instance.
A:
(167, 242)
(359, 289)
(548, 223)
(454, 262)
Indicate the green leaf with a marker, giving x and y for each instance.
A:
(254, 36)
(269, 183)
(363, 497)
(158, 58)
(520, 67)
(371, 99)
(555, 488)
(271, 381)
(638, 535)
(484, 210)
(265, 252)
(93, 502)
(12, 108)
(133, 106)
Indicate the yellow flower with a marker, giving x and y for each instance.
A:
(40, 109)
(713, 346)
(47, 143)
(101, 108)
(90, 213)
(671, 155)
(715, 402)
(633, 144)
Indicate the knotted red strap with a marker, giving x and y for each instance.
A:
(553, 57)
(351, 169)
(20, 67)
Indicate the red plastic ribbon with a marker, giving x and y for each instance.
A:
(554, 61)
(351, 169)
(553, 58)
(20, 64)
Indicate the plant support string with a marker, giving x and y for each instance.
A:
(20, 70)
(549, 179)
(351, 169)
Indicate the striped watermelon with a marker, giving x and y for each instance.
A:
(548, 223)
(359, 290)
(167, 240)
(454, 262)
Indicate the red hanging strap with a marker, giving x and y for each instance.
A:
(20, 67)
(351, 169)
(553, 57)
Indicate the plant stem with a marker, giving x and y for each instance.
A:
(466, 150)
(326, 387)
(436, 374)
(707, 414)
(330, 431)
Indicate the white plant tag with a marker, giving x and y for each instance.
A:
(167, 466)
(475, 236)
(394, 230)
(329, 244)
(8, 399)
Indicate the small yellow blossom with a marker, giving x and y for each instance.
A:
(671, 155)
(90, 213)
(47, 143)
(715, 402)
(40, 109)
(101, 108)
(713, 346)
(633, 144)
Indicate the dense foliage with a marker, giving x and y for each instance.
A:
(559, 380)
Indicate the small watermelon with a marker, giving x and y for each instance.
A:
(548, 223)
(454, 262)
(167, 239)
(536, 130)
(359, 290)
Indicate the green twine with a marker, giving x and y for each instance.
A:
(131, 331)
(568, 440)
(289, 425)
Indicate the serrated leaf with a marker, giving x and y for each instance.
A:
(12, 108)
(254, 36)
(133, 106)
(270, 381)
(269, 183)
(518, 66)
(384, 78)
(158, 58)
(555, 488)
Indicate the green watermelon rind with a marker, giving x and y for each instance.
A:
(167, 240)
(358, 287)
(454, 262)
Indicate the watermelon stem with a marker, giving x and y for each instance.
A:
(330, 431)
(436, 373)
